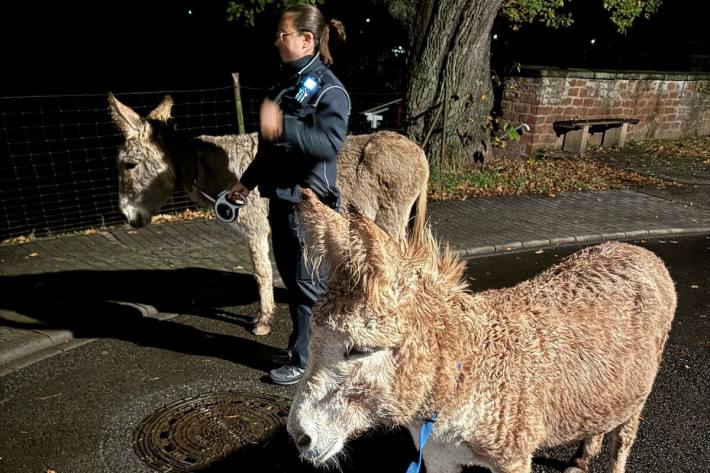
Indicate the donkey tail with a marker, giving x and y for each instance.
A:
(417, 218)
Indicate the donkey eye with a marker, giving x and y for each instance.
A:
(358, 352)
(129, 165)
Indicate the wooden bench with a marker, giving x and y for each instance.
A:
(576, 132)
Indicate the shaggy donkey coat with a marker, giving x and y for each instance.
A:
(568, 355)
(385, 174)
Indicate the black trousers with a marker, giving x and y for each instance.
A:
(303, 287)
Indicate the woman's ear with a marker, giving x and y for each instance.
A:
(308, 40)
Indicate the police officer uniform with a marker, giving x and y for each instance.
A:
(315, 108)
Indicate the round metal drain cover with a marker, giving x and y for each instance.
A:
(189, 434)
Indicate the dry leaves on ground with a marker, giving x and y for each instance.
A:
(695, 146)
(533, 176)
(18, 240)
(188, 214)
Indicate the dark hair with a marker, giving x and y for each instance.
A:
(308, 18)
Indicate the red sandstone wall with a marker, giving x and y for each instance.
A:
(667, 105)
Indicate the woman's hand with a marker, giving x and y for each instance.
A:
(271, 118)
(240, 189)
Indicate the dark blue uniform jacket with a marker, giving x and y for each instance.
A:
(313, 133)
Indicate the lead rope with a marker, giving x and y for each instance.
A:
(193, 144)
(204, 194)
(424, 434)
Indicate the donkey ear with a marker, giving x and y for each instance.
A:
(355, 247)
(128, 121)
(378, 245)
(162, 112)
(324, 232)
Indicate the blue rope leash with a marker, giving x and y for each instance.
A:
(424, 434)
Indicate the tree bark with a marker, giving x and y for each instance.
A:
(450, 45)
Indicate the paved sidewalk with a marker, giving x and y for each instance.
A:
(197, 257)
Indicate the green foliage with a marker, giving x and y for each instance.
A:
(502, 130)
(551, 13)
(622, 13)
(519, 12)
(248, 10)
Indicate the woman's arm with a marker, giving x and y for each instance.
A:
(321, 139)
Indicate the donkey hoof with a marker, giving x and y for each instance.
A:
(573, 469)
(261, 329)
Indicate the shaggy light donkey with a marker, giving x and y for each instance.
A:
(566, 356)
(385, 174)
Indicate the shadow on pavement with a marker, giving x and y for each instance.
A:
(93, 304)
(375, 451)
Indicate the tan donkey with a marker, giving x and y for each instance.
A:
(385, 174)
(568, 355)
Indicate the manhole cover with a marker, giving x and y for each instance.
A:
(189, 434)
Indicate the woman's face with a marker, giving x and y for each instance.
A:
(291, 44)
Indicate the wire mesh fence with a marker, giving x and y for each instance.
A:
(58, 165)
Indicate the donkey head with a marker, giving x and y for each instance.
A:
(145, 175)
(369, 361)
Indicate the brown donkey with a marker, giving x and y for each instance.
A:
(385, 174)
(568, 355)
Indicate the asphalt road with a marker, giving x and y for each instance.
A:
(77, 412)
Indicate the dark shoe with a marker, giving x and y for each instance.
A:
(287, 374)
(281, 357)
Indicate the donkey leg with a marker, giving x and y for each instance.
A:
(622, 438)
(588, 450)
(259, 252)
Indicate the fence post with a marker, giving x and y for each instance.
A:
(238, 100)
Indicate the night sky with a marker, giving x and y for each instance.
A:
(77, 47)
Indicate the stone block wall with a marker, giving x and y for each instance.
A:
(667, 105)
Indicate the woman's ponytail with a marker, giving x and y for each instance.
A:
(338, 30)
(309, 18)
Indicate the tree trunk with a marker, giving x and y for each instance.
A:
(450, 42)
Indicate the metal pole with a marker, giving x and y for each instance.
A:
(443, 132)
(238, 100)
(431, 128)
